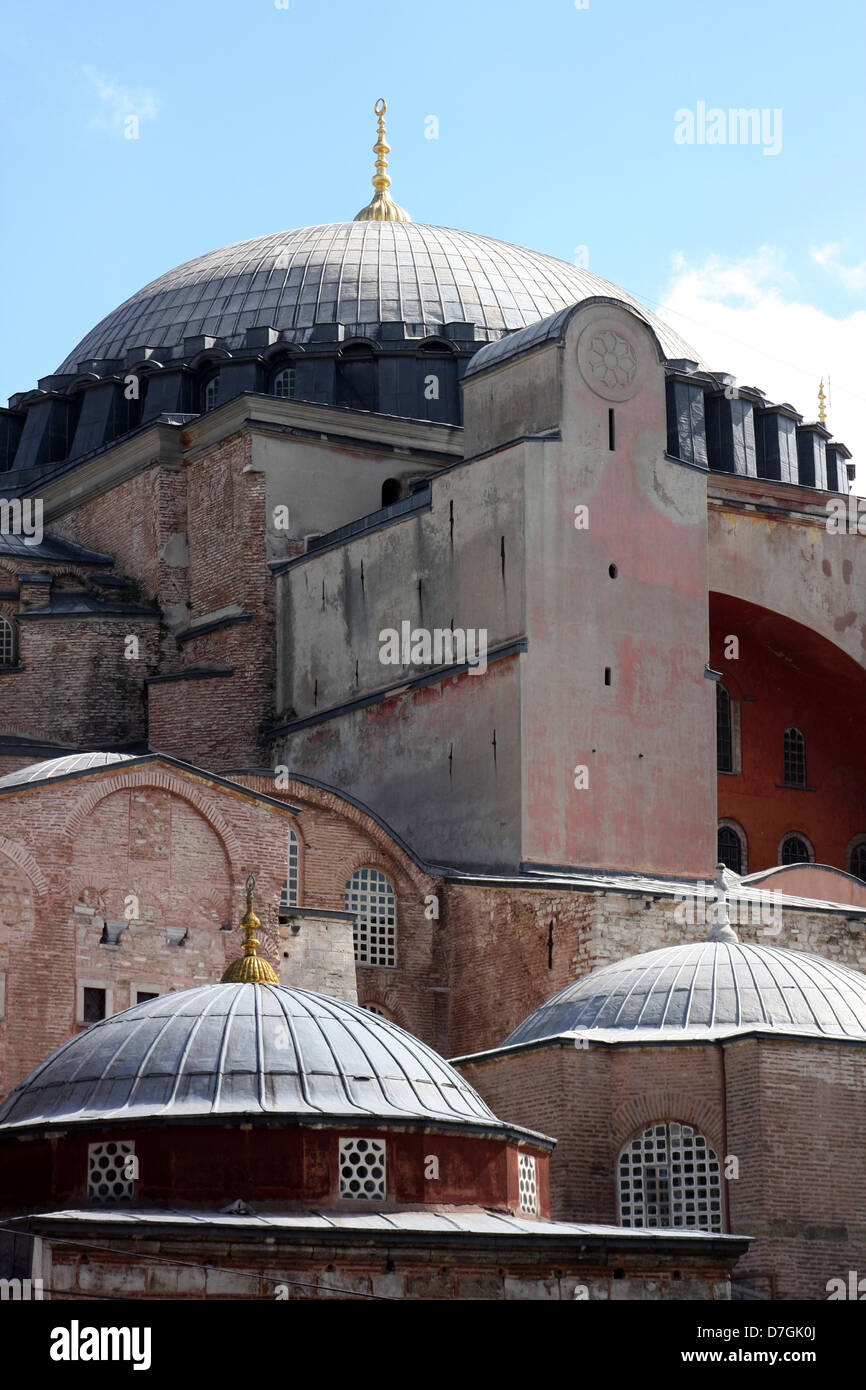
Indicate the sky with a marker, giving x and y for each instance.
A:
(589, 130)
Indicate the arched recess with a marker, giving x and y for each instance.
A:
(788, 676)
(162, 781)
(24, 860)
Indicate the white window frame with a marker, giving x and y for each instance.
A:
(726, 823)
(668, 1144)
(377, 937)
(527, 1183)
(351, 1152)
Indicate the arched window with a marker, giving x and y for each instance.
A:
(669, 1176)
(7, 642)
(289, 894)
(794, 756)
(210, 394)
(392, 491)
(378, 1011)
(857, 857)
(724, 731)
(371, 898)
(731, 847)
(284, 383)
(795, 849)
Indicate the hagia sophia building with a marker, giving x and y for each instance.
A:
(429, 606)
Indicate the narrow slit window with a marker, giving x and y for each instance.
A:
(611, 431)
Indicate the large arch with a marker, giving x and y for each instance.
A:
(789, 675)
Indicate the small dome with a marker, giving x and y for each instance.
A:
(62, 767)
(360, 274)
(705, 989)
(244, 1049)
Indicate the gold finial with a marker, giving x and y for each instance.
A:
(250, 969)
(822, 403)
(382, 207)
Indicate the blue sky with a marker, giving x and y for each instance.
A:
(556, 130)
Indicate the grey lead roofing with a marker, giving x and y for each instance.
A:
(360, 274)
(703, 990)
(229, 1049)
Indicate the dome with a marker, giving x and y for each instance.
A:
(360, 274)
(707, 989)
(62, 767)
(244, 1049)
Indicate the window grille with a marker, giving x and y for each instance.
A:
(527, 1183)
(107, 1169)
(362, 1169)
(795, 850)
(724, 732)
(669, 1176)
(858, 861)
(370, 898)
(794, 755)
(730, 849)
(284, 383)
(289, 893)
(7, 642)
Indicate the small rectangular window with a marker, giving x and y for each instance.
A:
(607, 675)
(111, 1172)
(142, 995)
(362, 1169)
(527, 1183)
(611, 437)
(94, 1004)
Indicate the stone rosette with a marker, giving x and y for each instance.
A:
(608, 361)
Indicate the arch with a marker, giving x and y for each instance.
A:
(162, 781)
(791, 847)
(24, 860)
(669, 1175)
(736, 843)
(392, 491)
(437, 346)
(855, 856)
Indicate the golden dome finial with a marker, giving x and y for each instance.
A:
(822, 403)
(250, 969)
(382, 207)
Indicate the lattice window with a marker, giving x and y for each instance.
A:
(370, 897)
(7, 642)
(362, 1169)
(289, 893)
(794, 757)
(730, 849)
(527, 1183)
(110, 1173)
(857, 865)
(669, 1176)
(284, 383)
(93, 1004)
(211, 392)
(377, 1010)
(795, 850)
(724, 731)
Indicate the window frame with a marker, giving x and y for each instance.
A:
(81, 986)
(391, 946)
(646, 1139)
(727, 823)
(795, 835)
(8, 624)
(801, 755)
(857, 842)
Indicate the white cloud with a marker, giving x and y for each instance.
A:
(118, 103)
(853, 277)
(743, 317)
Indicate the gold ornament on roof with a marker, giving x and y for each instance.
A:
(822, 403)
(382, 207)
(250, 969)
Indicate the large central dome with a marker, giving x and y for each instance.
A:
(360, 274)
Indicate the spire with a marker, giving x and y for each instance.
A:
(250, 969)
(382, 207)
(822, 403)
(720, 926)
